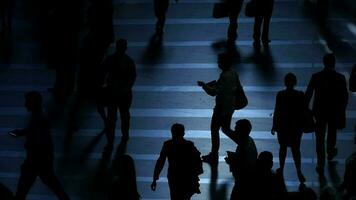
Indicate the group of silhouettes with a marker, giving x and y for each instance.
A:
(110, 80)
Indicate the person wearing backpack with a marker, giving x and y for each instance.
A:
(224, 91)
(184, 166)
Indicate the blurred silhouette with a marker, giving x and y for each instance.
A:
(242, 162)
(225, 90)
(96, 42)
(287, 122)
(328, 193)
(352, 79)
(160, 8)
(348, 186)
(264, 9)
(329, 108)
(269, 185)
(5, 193)
(184, 168)
(39, 150)
(234, 9)
(304, 193)
(6, 12)
(120, 76)
(124, 180)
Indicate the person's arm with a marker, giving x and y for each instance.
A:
(345, 93)
(159, 166)
(310, 90)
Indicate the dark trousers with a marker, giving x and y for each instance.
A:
(178, 190)
(123, 104)
(160, 8)
(320, 134)
(259, 20)
(219, 120)
(30, 170)
(235, 9)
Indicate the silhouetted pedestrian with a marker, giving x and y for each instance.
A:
(242, 162)
(225, 90)
(269, 185)
(39, 151)
(287, 122)
(264, 9)
(160, 8)
(329, 108)
(234, 9)
(119, 78)
(184, 165)
(6, 12)
(124, 184)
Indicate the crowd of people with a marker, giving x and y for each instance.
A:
(109, 80)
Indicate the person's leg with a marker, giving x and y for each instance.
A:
(265, 32)
(27, 178)
(297, 161)
(160, 8)
(125, 116)
(257, 29)
(282, 157)
(320, 144)
(111, 125)
(226, 123)
(215, 139)
(331, 140)
(48, 178)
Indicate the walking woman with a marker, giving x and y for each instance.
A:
(287, 122)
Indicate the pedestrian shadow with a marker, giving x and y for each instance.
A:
(153, 53)
(222, 46)
(263, 58)
(216, 191)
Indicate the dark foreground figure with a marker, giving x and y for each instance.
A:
(39, 151)
(329, 108)
(184, 165)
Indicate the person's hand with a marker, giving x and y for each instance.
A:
(200, 83)
(153, 185)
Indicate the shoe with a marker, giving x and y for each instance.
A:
(320, 171)
(332, 154)
(211, 158)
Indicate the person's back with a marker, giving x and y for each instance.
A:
(226, 87)
(289, 110)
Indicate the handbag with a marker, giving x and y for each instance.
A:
(220, 10)
(241, 100)
(251, 9)
(308, 123)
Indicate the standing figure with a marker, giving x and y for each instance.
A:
(264, 9)
(242, 162)
(39, 151)
(184, 165)
(234, 9)
(225, 90)
(329, 108)
(120, 76)
(6, 12)
(287, 122)
(161, 7)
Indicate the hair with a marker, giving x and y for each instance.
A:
(121, 43)
(329, 61)
(34, 99)
(226, 61)
(290, 80)
(265, 160)
(177, 130)
(243, 126)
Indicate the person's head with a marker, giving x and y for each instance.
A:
(265, 160)
(242, 129)
(177, 131)
(290, 80)
(121, 46)
(329, 61)
(33, 101)
(224, 61)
